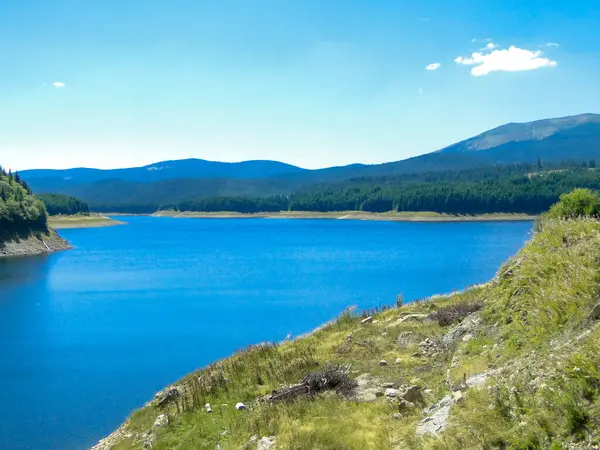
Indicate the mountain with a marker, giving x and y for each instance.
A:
(531, 132)
(575, 138)
(165, 170)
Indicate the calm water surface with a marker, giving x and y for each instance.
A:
(87, 336)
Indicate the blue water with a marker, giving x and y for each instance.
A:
(88, 335)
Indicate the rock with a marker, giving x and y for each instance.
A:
(404, 405)
(397, 416)
(427, 391)
(367, 320)
(458, 397)
(467, 337)
(239, 406)
(414, 318)
(391, 392)
(383, 362)
(595, 314)
(437, 421)
(405, 338)
(168, 395)
(413, 394)
(398, 361)
(161, 421)
(208, 408)
(468, 325)
(266, 443)
(477, 380)
(388, 385)
(368, 388)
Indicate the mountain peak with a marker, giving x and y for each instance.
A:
(518, 132)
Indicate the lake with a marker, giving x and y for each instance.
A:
(89, 335)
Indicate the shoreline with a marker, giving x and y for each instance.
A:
(351, 215)
(91, 221)
(51, 242)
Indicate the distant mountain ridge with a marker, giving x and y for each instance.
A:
(184, 168)
(575, 138)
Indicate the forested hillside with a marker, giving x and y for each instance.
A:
(145, 189)
(21, 214)
(528, 189)
(63, 204)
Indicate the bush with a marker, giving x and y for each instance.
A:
(578, 203)
(454, 313)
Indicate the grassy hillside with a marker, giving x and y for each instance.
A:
(512, 364)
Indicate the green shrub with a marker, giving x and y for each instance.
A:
(578, 203)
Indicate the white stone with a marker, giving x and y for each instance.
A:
(161, 421)
(391, 392)
(266, 443)
(239, 406)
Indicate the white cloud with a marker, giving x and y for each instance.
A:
(491, 46)
(552, 44)
(434, 66)
(58, 84)
(513, 59)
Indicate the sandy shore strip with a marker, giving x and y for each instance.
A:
(91, 221)
(352, 215)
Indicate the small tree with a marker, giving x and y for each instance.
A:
(578, 203)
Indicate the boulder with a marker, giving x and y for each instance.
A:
(437, 420)
(161, 421)
(383, 362)
(397, 416)
(458, 397)
(239, 406)
(413, 394)
(208, 408)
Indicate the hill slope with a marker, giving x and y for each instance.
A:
(512, 364)
(144, 189)
(165, 170)
(23, 221)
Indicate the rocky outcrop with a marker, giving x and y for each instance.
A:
(33, 245)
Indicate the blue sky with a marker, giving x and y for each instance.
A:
(113, 83)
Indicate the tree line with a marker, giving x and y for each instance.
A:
(529, 189)
(21, 214)
(63, 204)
